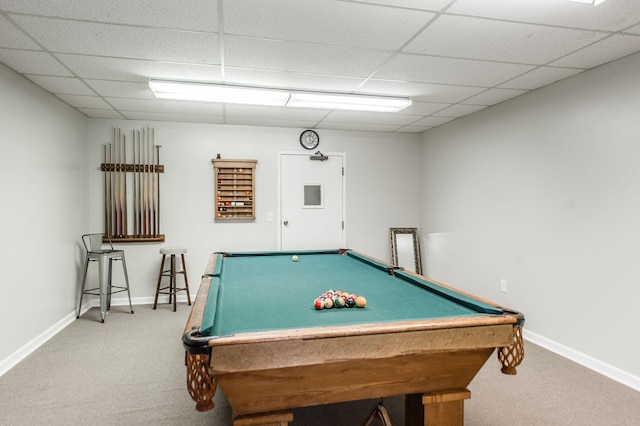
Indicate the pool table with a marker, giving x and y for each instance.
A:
(254, 331)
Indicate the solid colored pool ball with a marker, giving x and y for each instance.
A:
(350, 302)
(294, 258)
(361, 302)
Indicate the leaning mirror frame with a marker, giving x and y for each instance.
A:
(415, 246)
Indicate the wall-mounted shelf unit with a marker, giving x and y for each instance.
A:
(235, 187)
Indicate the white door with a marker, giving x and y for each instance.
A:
(312, 206)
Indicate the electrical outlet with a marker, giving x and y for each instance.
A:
(503, 286)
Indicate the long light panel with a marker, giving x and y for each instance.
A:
(206, 92)
(591, 2)
(347, 102)
(218, 93)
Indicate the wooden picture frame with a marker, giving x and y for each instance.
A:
(405, 249)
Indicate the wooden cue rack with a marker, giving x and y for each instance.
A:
(132, 189)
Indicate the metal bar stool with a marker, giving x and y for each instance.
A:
(171, 273)
(105, 257)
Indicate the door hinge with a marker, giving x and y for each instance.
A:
(343, 225)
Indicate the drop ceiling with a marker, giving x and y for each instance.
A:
(451, 57)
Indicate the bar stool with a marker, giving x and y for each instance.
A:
(105, 257)
(172, 288)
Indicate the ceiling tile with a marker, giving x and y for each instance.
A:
(412, 129)
(423, 108)
(33, 62)
(11, 36)
(94, 67)
(486, 39)
(256, 121)
(433, 121)
(121, 89)
(122, 41)
(613, 15)
(101, 113)
(301, 58)
(458, 110)
(432, 5)
(540, 77)
(432, 69)
(194, 15)
(335, 23)
(275, 113)
(291, 80)
(370, 127)
(373, 118)
(167, 106)
(604, 51)
(79, 101)
(184, 118)
(493, 96)
(65, 85)
(425, 92)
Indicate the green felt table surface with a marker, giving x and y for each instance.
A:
(268, 291)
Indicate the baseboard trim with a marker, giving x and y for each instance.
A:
(14, 359)
(587, 361)
(607, 370)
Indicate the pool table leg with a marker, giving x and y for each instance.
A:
(275, 418)
(430, 409)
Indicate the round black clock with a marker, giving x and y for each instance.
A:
(309, 139)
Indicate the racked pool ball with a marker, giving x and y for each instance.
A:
(328, 303)
(350, 302)
(340, 302)
(361, 302)
(318, 303)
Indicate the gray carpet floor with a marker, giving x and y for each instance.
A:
(130, 370)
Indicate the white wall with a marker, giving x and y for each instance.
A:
(43, 211)
(382, 172)
(544, 191)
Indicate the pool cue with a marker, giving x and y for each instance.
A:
(158, 189)
(152, 176)
(125, 227)
(114, 205)
(145, 208)
(134, 137)
(116, 158)
(106, 197)
(149, 184)
(110, 194)
(114, 180)
(140, 182)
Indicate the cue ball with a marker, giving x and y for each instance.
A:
(294, 258)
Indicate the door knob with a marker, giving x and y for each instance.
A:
(286, 222)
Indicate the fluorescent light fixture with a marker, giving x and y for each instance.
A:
(207, 92)
(591, 2)
(218, 93)
(347, 102)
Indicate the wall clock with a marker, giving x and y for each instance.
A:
(309, 139)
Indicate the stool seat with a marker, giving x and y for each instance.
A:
(172, 273)
(173, 250)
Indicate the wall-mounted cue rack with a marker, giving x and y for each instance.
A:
(132, 190)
